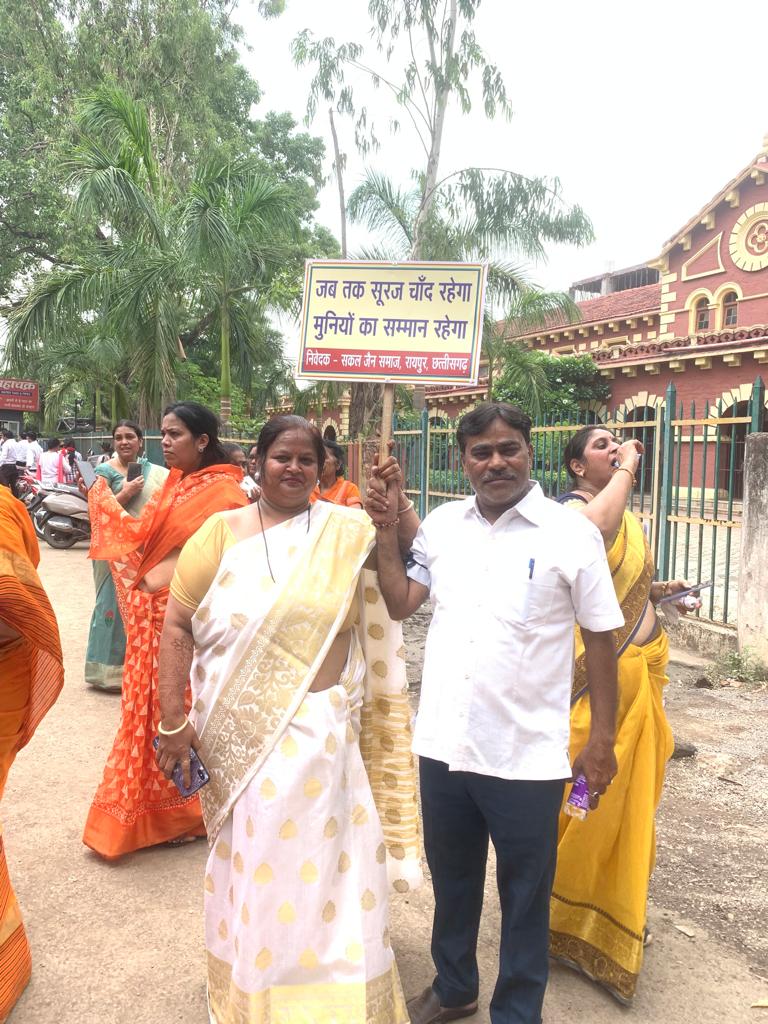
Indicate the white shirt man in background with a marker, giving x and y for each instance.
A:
(34, 451)
(7, 448)
(508, 573)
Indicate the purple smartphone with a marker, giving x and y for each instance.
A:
(198, 773)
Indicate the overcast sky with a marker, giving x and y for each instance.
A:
(644, 110)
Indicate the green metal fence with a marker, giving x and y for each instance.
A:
(689, 485)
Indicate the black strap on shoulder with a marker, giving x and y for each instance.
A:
(570, 496)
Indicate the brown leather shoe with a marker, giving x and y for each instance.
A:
(426, 1009)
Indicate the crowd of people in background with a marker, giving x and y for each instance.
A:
(248, 608)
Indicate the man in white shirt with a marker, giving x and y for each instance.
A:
(34, 451)
(508, 573)
(7, 448)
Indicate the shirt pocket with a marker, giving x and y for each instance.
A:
(528, 602)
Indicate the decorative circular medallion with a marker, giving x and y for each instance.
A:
(749, 239)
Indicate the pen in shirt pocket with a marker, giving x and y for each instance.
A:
(531, 564)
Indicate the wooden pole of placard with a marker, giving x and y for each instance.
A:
(387, 410)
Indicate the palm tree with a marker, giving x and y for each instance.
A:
(466, 234)
(529, 310)
(235, 227)
(162, 264)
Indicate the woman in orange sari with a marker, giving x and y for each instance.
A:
(332, 486)
(31, 676)
(135, 805)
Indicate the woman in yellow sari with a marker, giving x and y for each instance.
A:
(604, 862)
(300, 715)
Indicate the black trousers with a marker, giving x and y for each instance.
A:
(461, 810)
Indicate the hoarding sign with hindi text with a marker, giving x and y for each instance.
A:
(19, 395)
(409, 322)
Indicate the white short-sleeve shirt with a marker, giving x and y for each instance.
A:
(498, 664)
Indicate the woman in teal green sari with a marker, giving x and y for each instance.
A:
(106, 639)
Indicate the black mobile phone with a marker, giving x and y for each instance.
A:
(134, 471)
(198, 773)
(87, 473)
(674, 598)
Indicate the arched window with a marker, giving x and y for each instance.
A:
(702, 315)
(730, 309)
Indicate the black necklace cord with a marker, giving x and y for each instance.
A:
(264, 536)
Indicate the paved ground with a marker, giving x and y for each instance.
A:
(122, 944)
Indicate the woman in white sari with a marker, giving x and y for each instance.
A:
(290, 659)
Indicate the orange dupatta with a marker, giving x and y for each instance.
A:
(31, 677)
(343, 492)
(136, 806)
(25, 607)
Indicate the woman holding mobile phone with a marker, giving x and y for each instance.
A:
(132, 479)
(604, 862)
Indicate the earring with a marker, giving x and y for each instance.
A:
(201, 450)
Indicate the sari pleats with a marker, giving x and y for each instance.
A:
(604, 862)
(135, 806)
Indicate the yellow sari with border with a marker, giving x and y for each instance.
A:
(604, 863)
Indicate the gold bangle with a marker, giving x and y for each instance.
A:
(407, 508)
(384, 526)
(172, 732)
(665, 589)
(627, 470)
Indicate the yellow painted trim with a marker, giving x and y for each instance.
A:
(741, 256)
(708, 220)
(733, 198)
(668, 279)
(713, 242)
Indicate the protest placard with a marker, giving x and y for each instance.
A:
(417, 323)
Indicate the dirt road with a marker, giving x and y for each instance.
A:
(122, 944)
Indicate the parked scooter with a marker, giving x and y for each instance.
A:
(61, 518)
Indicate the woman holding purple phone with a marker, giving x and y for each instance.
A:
(604, 860)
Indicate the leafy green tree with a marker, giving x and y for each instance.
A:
(180, 57)
(211, 250)
(559, 386)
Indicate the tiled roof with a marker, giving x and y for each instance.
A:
(617, 306)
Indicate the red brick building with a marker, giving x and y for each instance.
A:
(696, 315)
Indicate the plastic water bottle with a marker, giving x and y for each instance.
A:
(577, 804)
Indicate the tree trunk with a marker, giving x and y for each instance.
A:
(340, 181)
(365, 399)
(226, 376)
(113, 404)
(430, 180)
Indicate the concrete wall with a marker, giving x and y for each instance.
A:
(753, 575)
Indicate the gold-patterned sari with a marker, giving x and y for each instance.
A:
(297, 878)
(604, 863)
